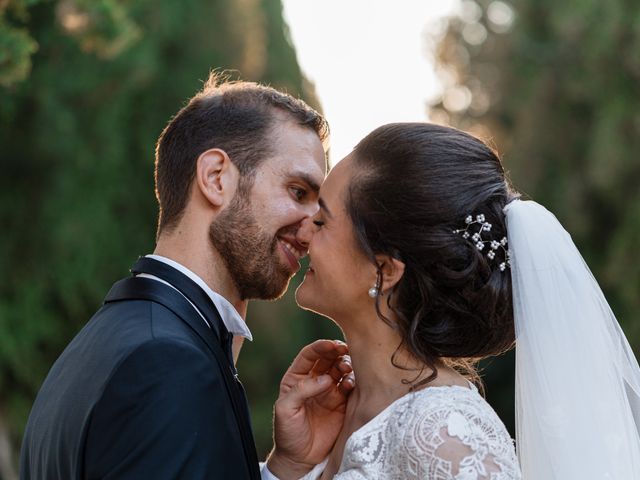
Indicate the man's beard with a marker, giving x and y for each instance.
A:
(249, 253)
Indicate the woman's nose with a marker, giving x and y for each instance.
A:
(305, 232)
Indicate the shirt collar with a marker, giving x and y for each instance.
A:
(230, 317)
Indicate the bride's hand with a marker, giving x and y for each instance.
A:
(310, 409)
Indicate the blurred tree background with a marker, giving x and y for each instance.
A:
(554, 85)
(86, 87)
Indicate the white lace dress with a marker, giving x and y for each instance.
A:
(437, 433)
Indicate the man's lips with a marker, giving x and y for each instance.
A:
(293, 251)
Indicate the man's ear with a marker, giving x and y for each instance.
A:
(216, 176)
(392, 270)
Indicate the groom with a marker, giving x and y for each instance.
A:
(148, 388)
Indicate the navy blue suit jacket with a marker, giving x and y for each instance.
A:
(139, 394)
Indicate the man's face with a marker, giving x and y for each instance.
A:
(256, 233)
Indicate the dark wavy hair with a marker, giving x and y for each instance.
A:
(235, 116)
(414, 183)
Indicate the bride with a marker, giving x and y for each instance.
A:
(424, 256)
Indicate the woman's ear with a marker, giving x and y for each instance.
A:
(216, 176)
(392, 270)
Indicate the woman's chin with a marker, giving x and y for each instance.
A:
(306, 298)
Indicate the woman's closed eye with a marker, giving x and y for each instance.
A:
(318, 223)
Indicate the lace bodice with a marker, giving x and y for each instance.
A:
(438, 433)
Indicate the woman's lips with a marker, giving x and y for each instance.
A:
(310, 270)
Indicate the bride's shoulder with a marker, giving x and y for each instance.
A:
(432, 433)
(452, 425)
(434, 408)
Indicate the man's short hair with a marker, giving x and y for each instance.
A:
(234, 116)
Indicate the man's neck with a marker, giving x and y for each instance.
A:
(207, 264)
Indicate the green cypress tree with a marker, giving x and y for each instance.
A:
(86, 87)
(554, 86)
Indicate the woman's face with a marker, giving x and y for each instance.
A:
(339, 275)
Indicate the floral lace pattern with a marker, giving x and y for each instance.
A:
(438, 433)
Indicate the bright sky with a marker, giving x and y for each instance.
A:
(369, 59)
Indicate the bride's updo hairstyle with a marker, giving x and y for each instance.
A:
(414, 184)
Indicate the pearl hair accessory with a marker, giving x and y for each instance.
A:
(479, 242)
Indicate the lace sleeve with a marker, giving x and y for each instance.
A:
(463, 452)
(456, 441)
(435, 434)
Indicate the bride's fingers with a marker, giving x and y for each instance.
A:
(334, 399)
(345, 364)
(347, 384)
(335, 373)
(327, 362)
(320, 354)
(307, 388)
(341, 366)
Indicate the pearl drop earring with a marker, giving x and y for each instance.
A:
(373, 292)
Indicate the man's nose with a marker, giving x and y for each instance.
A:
(305, 232)
(310, 209)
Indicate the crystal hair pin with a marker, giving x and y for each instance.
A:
(480, 242)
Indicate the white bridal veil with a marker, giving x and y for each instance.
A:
(577, 379)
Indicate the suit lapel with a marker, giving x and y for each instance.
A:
(187, 287)
(147, 289)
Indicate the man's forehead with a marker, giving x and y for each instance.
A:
(299, 153)
(289, 132)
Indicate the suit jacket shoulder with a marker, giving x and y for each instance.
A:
(136, 394)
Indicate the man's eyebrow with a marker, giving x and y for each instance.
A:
(323, 206)
(308, 179)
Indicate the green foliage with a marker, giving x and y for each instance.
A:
(16, 48)
(100, 27)
(556, 89)
(77, 138)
